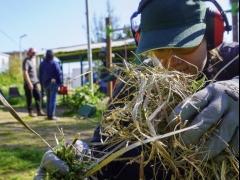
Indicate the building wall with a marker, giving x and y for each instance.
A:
(4, 62)
(76, 72)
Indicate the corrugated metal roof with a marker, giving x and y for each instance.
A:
(93, 46)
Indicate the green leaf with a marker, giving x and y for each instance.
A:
(198, 84)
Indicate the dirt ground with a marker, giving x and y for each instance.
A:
(14, 134)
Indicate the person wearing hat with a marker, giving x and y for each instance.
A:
(185, 36)
(31, 84)
(51, 79)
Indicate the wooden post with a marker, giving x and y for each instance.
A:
(109, 54)
(234, 4)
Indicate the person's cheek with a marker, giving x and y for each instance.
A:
(197, 66)
(164, 63)
(193, 70)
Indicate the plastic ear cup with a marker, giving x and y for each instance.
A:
(215, 28)
(137, 35)
(219, 29)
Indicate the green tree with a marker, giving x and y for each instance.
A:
(99, 25)
(235, 10)
(12, 76)
(14, 70)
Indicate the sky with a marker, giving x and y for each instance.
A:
(57, 23)
(50, 24)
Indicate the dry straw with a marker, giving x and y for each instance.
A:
(140, 118)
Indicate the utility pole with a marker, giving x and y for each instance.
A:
(109, 54)
(234, 10)
(109, 31)
(235, 19)
(122, 29)
(89, 47)
(20, 50)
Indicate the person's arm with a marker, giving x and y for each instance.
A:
(51, 162)
(40, 74)
(228, 51)
(59, 77)
(26, 77)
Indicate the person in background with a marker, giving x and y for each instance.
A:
(50, 78)
(103, 84)
(31, 84)
(95, 78)
(86, 80)
(183, 36)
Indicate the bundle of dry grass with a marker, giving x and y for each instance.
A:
(141, 119)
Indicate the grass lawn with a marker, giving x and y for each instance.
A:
(21, 151)
(19, 163)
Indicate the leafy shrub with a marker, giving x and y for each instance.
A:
(13, 78)
(13, 74)
(82, 96)
(16, 101)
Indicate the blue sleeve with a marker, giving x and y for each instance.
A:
(59, 76)
(40, 73)
(96, 135)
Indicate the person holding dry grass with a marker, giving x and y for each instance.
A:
(184, 36)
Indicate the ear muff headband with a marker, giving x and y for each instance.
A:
(142, 5)
(223, 14)
(136, 33)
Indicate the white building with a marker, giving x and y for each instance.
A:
(4, 62)
(76, 82)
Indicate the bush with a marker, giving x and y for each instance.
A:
(13, 101)
(82, 96)
(12, 75)
(13, 78)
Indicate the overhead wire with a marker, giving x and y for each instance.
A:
(9, 37)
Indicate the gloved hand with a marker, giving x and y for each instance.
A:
(51, 162)
(217, 103)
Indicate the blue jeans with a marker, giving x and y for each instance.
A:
(51, 92)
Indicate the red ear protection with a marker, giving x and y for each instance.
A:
(215, 28)
(215, 25)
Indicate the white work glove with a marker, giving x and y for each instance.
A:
(218, 101)
(51, 162)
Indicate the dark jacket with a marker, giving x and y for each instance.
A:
(228, 51)
(50, 70)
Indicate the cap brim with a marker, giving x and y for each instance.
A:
(178, 37)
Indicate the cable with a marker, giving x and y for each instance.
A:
(9, 37)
